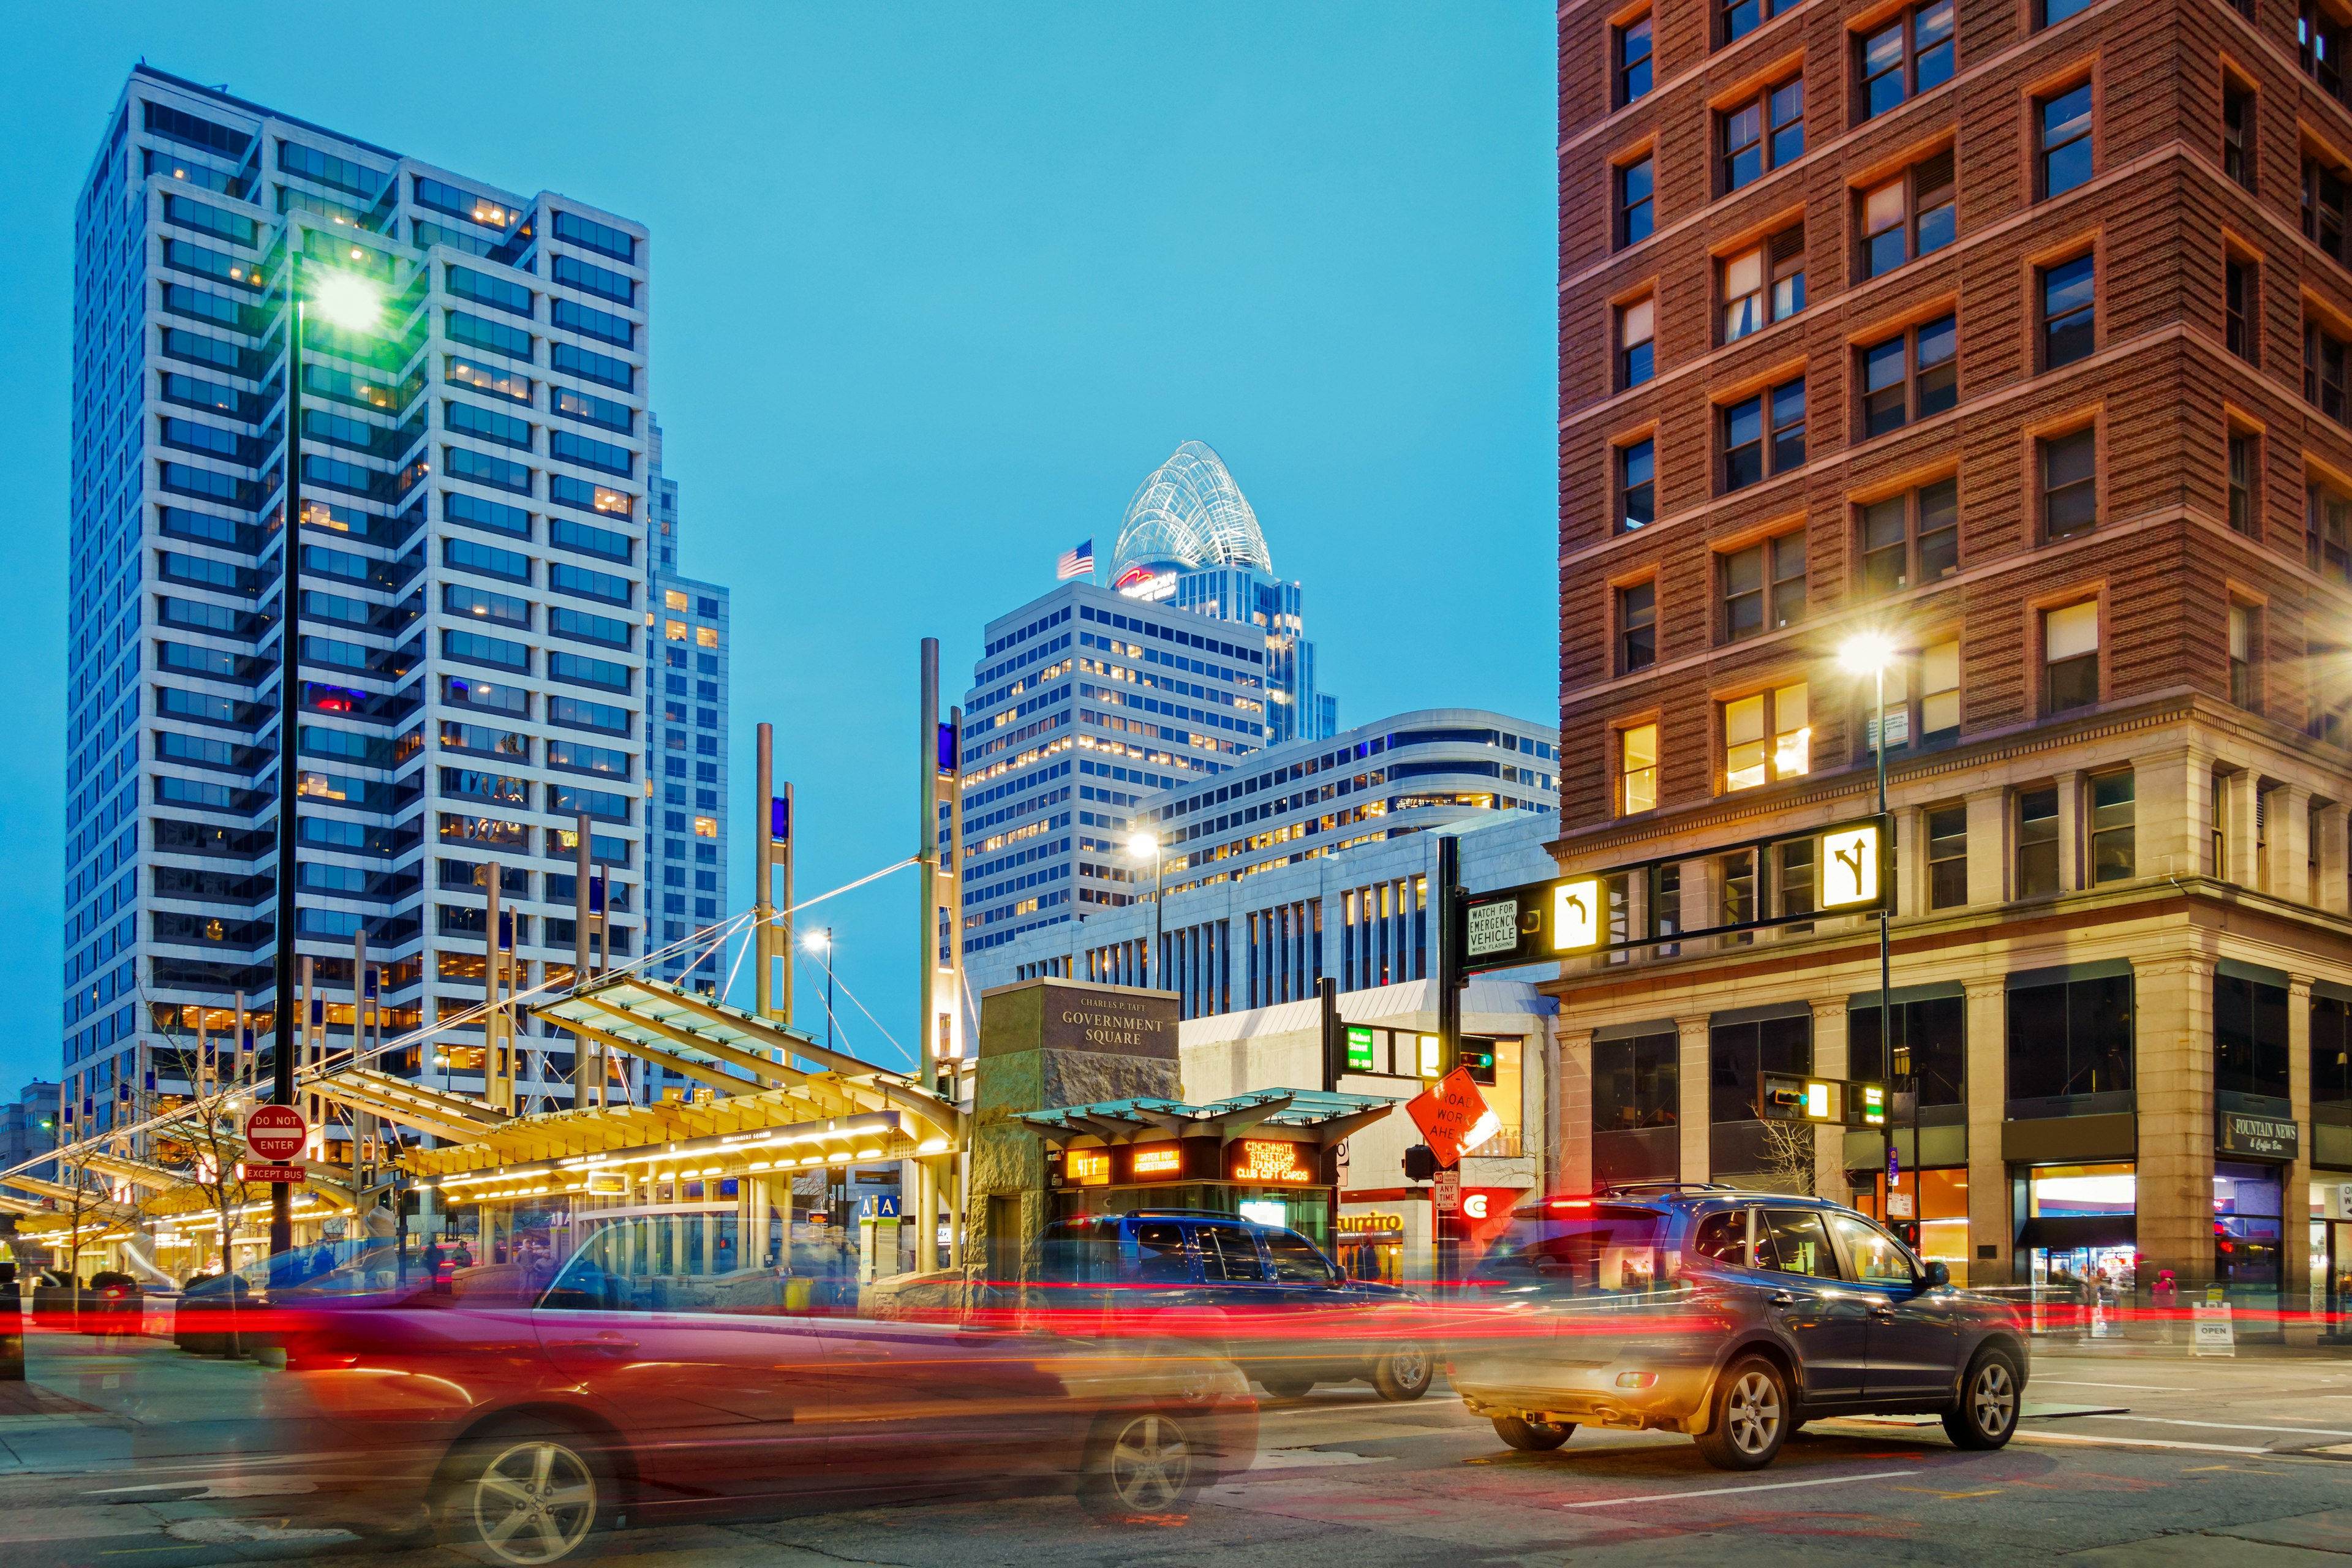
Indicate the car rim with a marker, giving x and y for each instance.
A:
(1410, 1368)
(1150, 1463)
(1995, 1399)
(534, 1502)
(1753, 1413)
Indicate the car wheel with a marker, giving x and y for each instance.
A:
(1533, 1436)
(1750, 1417)
(1282, 1387)
(1405, 1372)
(1987, 1414)
(526, 1495)
(1144, 1464)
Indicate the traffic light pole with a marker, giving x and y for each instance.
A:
(1446, 1227)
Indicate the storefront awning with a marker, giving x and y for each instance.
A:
(2064, 1233)
(1330, 1117)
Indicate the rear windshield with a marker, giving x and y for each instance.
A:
(1604, 1250)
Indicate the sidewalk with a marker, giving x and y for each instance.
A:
(115, 1402)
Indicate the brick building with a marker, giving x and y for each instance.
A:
(2014, 331)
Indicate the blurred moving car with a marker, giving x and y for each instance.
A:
(1264, 1295)
(521, 1420)
(1734, 1316)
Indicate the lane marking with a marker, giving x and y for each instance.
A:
(2228, 1425)
(2134, 1443)
(2135, 1387)
(1931, 1491)
(1729, 1492)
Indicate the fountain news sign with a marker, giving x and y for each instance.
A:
(1590, 912)
(2264, 1137)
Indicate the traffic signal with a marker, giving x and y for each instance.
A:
(1421, 1163)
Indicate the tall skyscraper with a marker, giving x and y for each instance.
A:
(686, 728)
(473, 567)
(1087, 698)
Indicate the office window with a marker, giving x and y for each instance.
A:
(2069, 311)
(2238, 307)
(2323, 370)
(2064, 124)
(1948, 856)
(1635, 1083)
(2111, 827)
(1907, 57)
(2075, 1037)
(1763, 285)
(1939, 691)
(2037, 842)
(1636, 339)
(1764, 586)
(1634, 194)
(2328, 532)
(2237, 134)
(1911, 375)
(2323, 208)
(1738, 1056)
(1767, 736)
(1633, 44)
(2243, 645)
(2250, 1042)
(1735, 880)
(1741, 17)
(2319, 46)
(2069, 482)
(2056, 11)
(2331, 1051)
(1910, 538)
(2069, 656)
(1764, 434)
(1637, 627)
(1911, 216)
(1637, 768)
(1637, 485)
(1762, 134)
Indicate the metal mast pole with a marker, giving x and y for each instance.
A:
(1886, 962)
(290, 616)
(588, 1069)
(763, 911)
(1450, 980)
(927, 851)
(780, 835)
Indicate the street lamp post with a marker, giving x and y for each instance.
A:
(1138, 847)
(349, 302)
(1873, 652)
(822, 942)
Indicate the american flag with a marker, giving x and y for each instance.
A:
(1078, 563)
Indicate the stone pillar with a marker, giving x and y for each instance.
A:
(1700, 898)
(2295, 1273)
(2288, 874)
(1571, 1164)
(1693, 1097)
(1989, 846)
(1990, 1223)
(1829, 1060)
(2238, 807)
(1910, 860)
(2173, 1068)
(2330, 895)
(2071, 838)
(2172, 813)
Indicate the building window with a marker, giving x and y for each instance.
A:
(1905, 58)
(1637, 627)
(2323, 208)
(1634, 194)
(2069, 311)
(2331, 1051)
(2069, 656)
(2250, 1047)
(2069, 482)
(2071, 1038)
(1910, 539)
(2319, 46)
(2037, 842)
(1764, 434)
(1911, 375)
(1763, 285)
(2243, 645)
(1765, 737)
(2325, 707)
(1637, 326)
(1637, 768)
(2064, 121)
(2323, 370)
(1762, 134)
(1931, 1046)
(1909, 216)
(1739, 1054)
(1948, 856)
(1764, 586)
(2111, 827)
(1939, 691)
(1741, 17)
(2238, 132)
(2327, 533)
(2237, 308)
(1637, 484)
(2245, 472)
(1635, 1083)
(1632, 60)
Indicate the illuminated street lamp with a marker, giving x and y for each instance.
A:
(1871, 653)
(1140, 845)
(354, 303)
(822, 942)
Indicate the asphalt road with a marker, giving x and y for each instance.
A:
(2128, 1457)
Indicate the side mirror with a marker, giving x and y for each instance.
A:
(1936, 1277)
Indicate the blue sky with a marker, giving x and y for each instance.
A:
(935, 287)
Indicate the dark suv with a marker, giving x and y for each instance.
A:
(1734, 1316)
(1266, 1296)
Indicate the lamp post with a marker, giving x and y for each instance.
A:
(1139, 847)
(822, 942)
(441, 1060)
(351, 302)
(1873, 652)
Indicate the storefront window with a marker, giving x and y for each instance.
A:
(1941, 1200)
(2081, 1233)
(2249, 1224)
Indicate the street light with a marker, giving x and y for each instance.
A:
(1140, 845)
(822, 942)
(441, 1060)
(1871, 653)
(354, 303)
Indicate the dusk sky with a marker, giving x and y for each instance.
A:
(934, 288)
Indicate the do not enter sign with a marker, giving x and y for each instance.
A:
(276, 1133)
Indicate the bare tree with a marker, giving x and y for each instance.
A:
(1788, 1156)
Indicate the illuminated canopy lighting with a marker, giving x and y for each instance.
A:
(1866, 652)
(348, 300)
